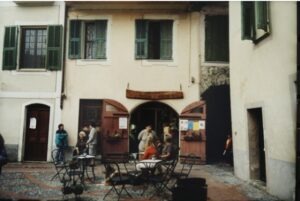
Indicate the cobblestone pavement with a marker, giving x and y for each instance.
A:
(32, 181)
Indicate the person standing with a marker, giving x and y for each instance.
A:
(227, 153)
(92, 140)
(143, 136)
(61, 141)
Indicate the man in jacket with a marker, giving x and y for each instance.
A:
(61, 141)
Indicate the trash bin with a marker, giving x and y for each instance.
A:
(191, 189)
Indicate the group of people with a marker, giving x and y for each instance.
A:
(86, 144)
(152, 147)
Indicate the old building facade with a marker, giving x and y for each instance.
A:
(30, 77)
(263, 66)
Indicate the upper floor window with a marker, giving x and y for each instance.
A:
(33, 48)
(153, 39)
(255, 20)
(40, 47)
(87, 39)
(216, 38)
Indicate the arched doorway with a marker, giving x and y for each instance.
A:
(36, 134)
(159, 116)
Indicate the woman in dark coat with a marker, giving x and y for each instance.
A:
(81, 144)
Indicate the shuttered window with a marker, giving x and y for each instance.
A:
(74, 39)
(10, 48)
(255, 20)
(91, 35)
(216, 38)
(40, 48)
(153, 39)
(54, 47)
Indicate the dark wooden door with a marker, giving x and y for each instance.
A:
(114, 128)
(36, 136)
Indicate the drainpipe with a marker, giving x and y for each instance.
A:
(63, 95)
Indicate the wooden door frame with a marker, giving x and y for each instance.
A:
(22, 132)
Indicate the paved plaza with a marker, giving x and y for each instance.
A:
(32, 181)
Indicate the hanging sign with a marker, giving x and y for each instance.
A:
(123, 123)
(32, 123)
(183, 124)
(201, 124)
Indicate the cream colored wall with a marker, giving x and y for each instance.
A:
(263, 75)
(12, 14)
(109, 79)
(20, 88)
(13, 121)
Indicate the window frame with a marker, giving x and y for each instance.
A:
(53, 57)
(21, 48)
(147, 23)
(209, 11)
(82, 60)
(250, 11)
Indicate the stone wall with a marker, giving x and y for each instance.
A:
(213, 76)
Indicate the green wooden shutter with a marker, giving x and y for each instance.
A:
(74, 39)
(216, 38)
(101, 29)
(261, 15)
(54, 47)
(10, 48)
(247, 8)
(141, 39)
(166, 33)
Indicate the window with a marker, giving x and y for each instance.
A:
(87, 39)
(255, 20)
(153, 39)
(40, 48)
(33, 48)
(216, 38)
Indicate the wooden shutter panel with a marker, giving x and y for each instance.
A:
(216, 38)
(261, 15)
(166, 33)
(74, 39)
(10, 48)
(247, 9)
(101, 29)
(54, 47)
(141, 39)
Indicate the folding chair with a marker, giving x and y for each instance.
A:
(60, 168)
(187, 162)
(73, 180)
(160, 181)
(116, 178)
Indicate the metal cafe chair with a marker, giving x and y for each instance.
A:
(116, 179)
(160, 181)
(187, 162)
(73, 179)
(60, 168)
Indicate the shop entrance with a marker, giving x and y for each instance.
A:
(156, 114)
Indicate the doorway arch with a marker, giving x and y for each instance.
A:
(159, 115)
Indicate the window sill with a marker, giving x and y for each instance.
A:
(86, 62)
(218, 64)
(31, 71)
(151, 62)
